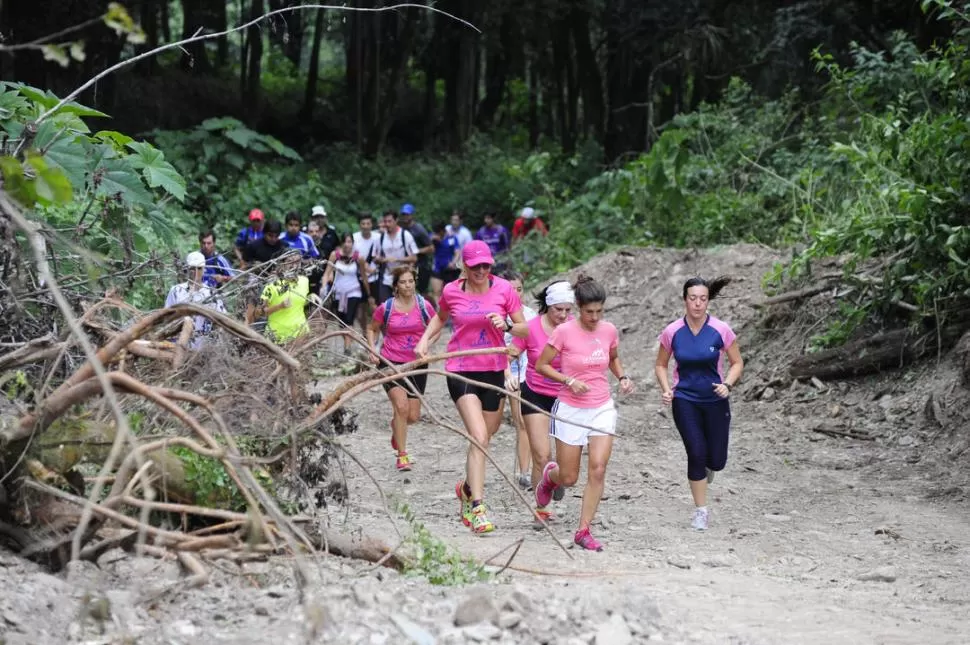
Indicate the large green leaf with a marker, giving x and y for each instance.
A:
(222, 123)
(118, 177)
(47, 99)
(70, 155)
(241, 136)
(277, 146)
(51, 186)
(158, 172)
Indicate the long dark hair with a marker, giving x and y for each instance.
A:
(588, 291)
(713, 286)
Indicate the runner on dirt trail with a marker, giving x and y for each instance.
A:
(447, 256)
(425, 246)
(250, 234)
(516, 374)
(284, 300)
(395, 247)
(263, 251)
(588, 348)
(458, 229)
(700, 392)
(345, 270)
(365, 243)
(495, 235)
(402, 319)
(479, 307)
(297, 239)
(555, 307)
(194, 290)
(218, 271)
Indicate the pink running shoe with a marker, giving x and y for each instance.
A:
(545, 488)
(586, 540)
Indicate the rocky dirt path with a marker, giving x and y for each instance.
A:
(813, 539)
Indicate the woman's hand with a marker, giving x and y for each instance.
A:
(721, 390)
(421, 349)
(374, 357)
(286, 303)
(497, 320)
(511, 382)
(626, 385)
(577, 387)
(667, 397)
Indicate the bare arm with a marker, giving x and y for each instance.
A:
(362, 272)
(626, 383)
(430, 335)
(328, 274)
(723, 389)
(660, 371)
(373, 329)
(544, 367)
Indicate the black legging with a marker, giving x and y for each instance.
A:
(347, 317)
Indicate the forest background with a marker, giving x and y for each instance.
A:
(833, 128)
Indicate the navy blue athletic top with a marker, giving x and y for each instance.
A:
(698, 357)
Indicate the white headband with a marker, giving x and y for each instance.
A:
(559, 293)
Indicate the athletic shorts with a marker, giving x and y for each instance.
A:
(543, 401)
(447, 275)
(491, 399)
(603, 418)
(418, 381)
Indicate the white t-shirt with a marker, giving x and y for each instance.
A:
(363, 248)
(399, 246)
(463, 234)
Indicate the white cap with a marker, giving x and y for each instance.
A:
(528, 212)
(195, 260)
(318, 210)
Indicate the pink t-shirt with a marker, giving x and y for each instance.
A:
(585, 357)
(473, 329)
(403, 331)
(533, 346)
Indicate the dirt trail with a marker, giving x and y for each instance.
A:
(812, 540)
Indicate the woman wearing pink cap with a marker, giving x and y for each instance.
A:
(587, 347)
(478, 306)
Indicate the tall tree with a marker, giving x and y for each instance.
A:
(310, 96)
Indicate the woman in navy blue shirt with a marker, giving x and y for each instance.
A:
(699, 396)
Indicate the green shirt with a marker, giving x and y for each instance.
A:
(290, 322)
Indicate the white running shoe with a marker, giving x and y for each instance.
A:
(699, 522)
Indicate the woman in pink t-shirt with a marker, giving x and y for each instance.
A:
(478, 306)
(539, 392)
(404, 326)
(587, 347)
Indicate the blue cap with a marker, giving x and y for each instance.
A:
(407, 209)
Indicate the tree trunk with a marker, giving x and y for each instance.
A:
(311, 80)
(149, 22)
(163, 21)
(196, 15)
(566, 108)
(889, 350)
(497, 65)
(221, 24)
(460, 51)
(252, 97)
(287, 30)
(627, 76)
(533, 82)
(589, 74)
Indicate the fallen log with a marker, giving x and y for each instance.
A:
(888, 350)
(798, 294)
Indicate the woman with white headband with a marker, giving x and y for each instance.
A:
(588, 350)
(539, 392)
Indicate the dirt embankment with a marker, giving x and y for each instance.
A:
(817, 535)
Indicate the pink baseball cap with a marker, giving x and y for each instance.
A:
(476, 252)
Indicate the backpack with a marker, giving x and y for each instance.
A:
(380, 249)
(425, 316)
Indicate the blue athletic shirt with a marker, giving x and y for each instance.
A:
(699, 358)
(444, 251)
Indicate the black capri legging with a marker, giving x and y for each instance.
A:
(705, 429)
(347, 317)
(491, 399)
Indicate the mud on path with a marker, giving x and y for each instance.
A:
(813, 539)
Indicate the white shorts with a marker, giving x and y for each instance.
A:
(603, 418)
